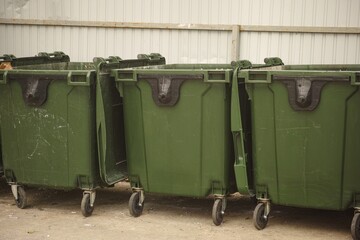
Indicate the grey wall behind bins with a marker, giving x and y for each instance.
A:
(184, 46)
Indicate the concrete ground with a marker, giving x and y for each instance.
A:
(54, 214)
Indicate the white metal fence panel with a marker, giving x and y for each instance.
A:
(84, 43)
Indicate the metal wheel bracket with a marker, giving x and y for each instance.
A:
(142, 195)
(14, 190)
(356, 210)
(267, 209)
(92, 197)
(142, 198)
(266, 202)
(223, 202)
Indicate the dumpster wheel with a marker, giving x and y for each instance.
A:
(21, 197)
(355, 226)
(218, 212)
(86, 208)
(259, 217)
(135, 207)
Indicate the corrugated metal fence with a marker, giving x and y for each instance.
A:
(322, 31)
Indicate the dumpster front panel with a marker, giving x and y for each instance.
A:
(183, 148)
(50, 143)
(302, 157)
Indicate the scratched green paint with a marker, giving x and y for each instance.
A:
(68, 141)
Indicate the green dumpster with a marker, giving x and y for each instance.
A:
(9, 61)
(305, 151)
(177, 131)
(51, 128)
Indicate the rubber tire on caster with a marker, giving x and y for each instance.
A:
(217, 215)
(259, 219)
(86, 209)
(355, 226)
(134, 208)
(21, 201)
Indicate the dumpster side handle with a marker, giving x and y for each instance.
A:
(79, 78)
(355, 78)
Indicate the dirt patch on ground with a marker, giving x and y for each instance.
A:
(55, 214)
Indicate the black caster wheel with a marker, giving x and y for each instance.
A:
(217, 213)
(86, 208)
(135, 207)
(21, 201)
(259, 218)
(355, 226)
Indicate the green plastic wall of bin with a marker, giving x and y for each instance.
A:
(177, 128)
(41, 58)
(305, 145)
(48, 125)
